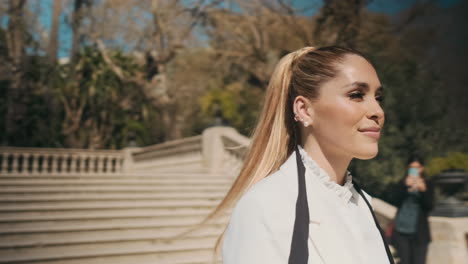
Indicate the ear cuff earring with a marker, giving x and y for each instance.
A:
(296, 118)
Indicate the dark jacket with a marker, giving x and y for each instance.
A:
(426, 202)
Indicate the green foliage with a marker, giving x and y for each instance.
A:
(99, 110)
(453, 160)
(238, 102)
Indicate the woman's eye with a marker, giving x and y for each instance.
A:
(358, 95)
(380, 98)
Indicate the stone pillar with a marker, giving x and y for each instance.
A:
(213, 149)
(126, 164)
(449, 245)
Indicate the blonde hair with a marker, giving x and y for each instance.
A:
(276, 135)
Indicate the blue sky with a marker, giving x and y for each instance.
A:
(44, 8)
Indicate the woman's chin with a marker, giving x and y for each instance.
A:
(367, 153)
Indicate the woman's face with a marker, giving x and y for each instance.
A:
(347, 115)
(417, 165)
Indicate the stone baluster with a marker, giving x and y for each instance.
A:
(73, 159)
(115, 159)
(121, 163)
(35, 163)
(92, 164)
(83, 161)
(4, 162)
(54, 165)
(100, 160)
(14, 162)
(107, 164)
(45, 163)
(79, 163)
(63, 164)
(25, 163)
(86, 164)
(118, 164)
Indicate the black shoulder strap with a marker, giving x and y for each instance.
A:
(299, 253)
(387, 249)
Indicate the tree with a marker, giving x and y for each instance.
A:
(339, 22)
(160, 30)
(15, 38)
(52, 49)
(99, 110)
(254, 39)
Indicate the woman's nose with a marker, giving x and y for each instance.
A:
(375, 111)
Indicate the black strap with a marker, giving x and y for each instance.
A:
(387, 248)
(299, 253)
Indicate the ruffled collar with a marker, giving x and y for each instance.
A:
(343, 192)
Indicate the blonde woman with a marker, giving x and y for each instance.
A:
(294, 200)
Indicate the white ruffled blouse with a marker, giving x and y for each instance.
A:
(341, 227)
(342, 201)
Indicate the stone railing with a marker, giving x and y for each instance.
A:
(169, 148)
(186, 152)
(15, 160)
(224, 149)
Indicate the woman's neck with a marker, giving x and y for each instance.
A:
(334, 165)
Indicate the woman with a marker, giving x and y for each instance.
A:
(415, 199)
(298, 203)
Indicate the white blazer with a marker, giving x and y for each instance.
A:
(262, 222)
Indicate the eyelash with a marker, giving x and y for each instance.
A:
(360, 95)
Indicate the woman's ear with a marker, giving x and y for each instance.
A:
(303, 110)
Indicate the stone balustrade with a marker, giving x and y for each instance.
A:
(221, 151)
(184, 153)
(14, 160)
(174, 147)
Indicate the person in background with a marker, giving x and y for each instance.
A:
(415, 199)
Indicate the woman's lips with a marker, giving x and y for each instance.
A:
(371, 132)
(374, 134)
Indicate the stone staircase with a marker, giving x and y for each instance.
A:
(130, 206)
(119, 218)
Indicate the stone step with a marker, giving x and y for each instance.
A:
(103, 224)
(197, 256)
(118, 235)
(16, 217)
(62, 252)
(72, 205)
(132, 175)
(68, 189)
(28, 197)
(112, 182)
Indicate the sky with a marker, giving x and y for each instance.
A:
(44, 8)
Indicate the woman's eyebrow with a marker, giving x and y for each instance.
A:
(363, 85)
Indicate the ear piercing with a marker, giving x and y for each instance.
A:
(296, 118)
